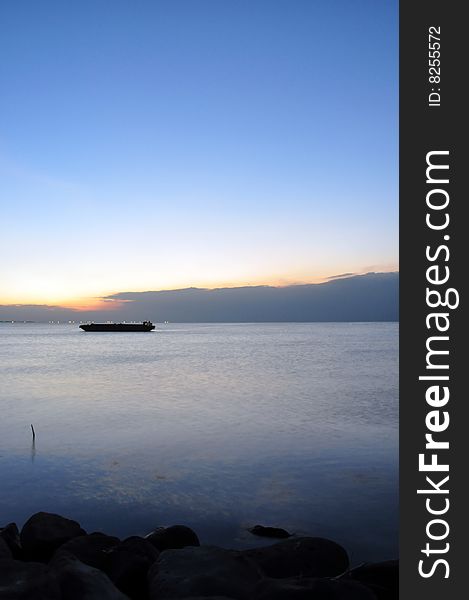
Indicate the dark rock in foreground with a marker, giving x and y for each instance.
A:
(170, 564)
(44, 532)
(5, 551)
(92, 549)
(173, 538)
(312, 589)
(128, 566)
(11, 536)
(306, 557)
(202, 571)
(27, 581)
(79, 581)
(269, 532)
(382, 578)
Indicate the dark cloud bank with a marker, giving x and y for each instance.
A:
(370, 297)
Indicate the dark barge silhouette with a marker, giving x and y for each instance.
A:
(116, 327)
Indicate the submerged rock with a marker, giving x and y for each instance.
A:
(203, 571)
(78, 581)
(92, 549)
(311, 588)
(11, 536)
(128, 565)
(27, 581)
(44, 532)
(269, 532)
(173, 538)
(307, 557)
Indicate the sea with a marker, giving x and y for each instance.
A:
(216, 426)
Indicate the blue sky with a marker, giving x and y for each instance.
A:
(163, 144)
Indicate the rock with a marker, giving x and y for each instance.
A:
(270, 532)
(128, 566)
(382, 578)
(307, 557)
(92, 549)
(140, 546)
(79, 581)
(309, 589)
(11, 536)
(27, 581)
(5, 551)
(44, 532)
(174, 537)
(202, 571)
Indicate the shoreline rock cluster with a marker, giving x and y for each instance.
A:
(53, 558)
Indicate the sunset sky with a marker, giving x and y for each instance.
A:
(149, 145)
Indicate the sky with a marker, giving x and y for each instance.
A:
(151, 145)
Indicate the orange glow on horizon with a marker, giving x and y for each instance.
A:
(85, 304)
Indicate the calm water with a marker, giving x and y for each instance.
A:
(216, 426)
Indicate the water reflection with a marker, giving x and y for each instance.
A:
(219, 427)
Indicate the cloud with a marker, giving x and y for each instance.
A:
(370, 297)
(341, 276)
